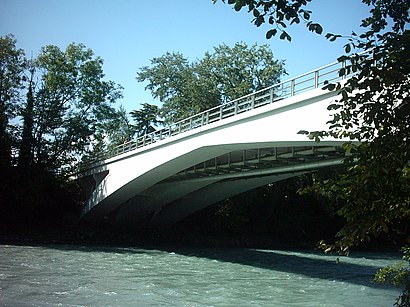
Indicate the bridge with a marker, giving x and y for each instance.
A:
(162, 177)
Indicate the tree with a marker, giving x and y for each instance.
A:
(12, 64)
(120, 129)
(146, 118)
(25, 158)
(241, 70)
(71, 100)
(168, 79)
(114, 131)
(374, 109)
(187, 88)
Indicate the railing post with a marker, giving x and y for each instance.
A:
(292, 87)
(220, 112)
(236, 107)
(252, 101)
(316, 79)
(271, 95)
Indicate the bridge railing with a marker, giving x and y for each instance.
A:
(311, 80)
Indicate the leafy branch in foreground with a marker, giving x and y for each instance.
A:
(278, 14)
(398, 276)
(373, 115)
(374, 110)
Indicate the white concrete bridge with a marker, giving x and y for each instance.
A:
(164, 176)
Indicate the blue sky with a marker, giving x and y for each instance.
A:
(128, 33)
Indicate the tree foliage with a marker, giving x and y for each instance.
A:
(146, 119)
(12, 65)
(25, 159)
(71, 99)
(229, 72)
(279, 14)
(67, 101)
(115, 130)
(399, 276)
(373, 109)
(241, 70)
(51, 109)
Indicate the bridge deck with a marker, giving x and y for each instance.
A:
(289, 88)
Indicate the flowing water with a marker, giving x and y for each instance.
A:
(92, 276)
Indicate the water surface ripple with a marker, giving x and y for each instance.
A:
(78, 275)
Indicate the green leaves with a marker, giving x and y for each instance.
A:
(229, 72)
(303, 132)
(332, 37)
(12, 65)
(306, 14)
(314, 27)
(329, 87)
(373, 108)
(397, 275)
(71, 101)
(286, 36)
(271, 33)
(146, 118)
(279, 14)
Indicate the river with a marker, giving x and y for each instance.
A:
(64, 275)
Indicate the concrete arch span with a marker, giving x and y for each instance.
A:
(144, 183)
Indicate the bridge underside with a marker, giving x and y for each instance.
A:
(210, 181)
(157, 183)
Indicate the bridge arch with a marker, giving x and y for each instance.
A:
(163, 181)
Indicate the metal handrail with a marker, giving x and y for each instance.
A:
(242, 104)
